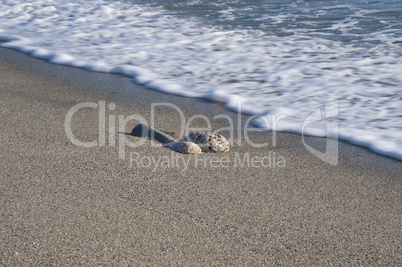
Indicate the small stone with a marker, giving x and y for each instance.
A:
(209, 142)
(143, 130)
(186, 147)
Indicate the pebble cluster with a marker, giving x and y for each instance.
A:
(193, 143)
(209, 142)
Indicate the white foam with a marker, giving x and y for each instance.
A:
(292, 75)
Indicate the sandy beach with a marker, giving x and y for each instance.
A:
(125, 200)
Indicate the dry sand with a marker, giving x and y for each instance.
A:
(63, 204)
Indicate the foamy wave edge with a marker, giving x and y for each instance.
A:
(150, 80)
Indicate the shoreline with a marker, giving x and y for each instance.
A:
(341, 137)
(65, 204)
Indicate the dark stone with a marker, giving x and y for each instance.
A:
(143, 130)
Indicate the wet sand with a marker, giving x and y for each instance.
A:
(64, 204)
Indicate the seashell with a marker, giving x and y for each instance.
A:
(186, 147)
(209, 142)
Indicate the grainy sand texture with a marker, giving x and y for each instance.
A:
(117, 203)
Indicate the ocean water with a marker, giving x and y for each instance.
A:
(324, 68)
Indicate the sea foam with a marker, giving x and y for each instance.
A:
(290, 73)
